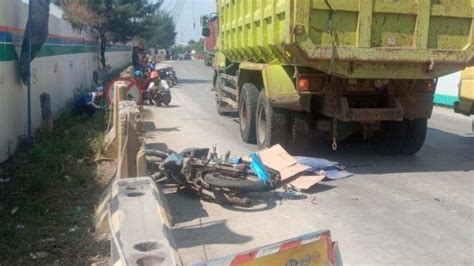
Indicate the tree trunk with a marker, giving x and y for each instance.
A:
(103, 45)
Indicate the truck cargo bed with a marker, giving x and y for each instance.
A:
(392, 39)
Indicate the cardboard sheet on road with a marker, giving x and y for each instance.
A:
(306, 181)
(278, 159)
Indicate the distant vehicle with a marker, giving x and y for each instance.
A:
(304, 69)
(465, 105)
(210, 28)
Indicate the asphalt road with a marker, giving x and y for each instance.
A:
(394, 210)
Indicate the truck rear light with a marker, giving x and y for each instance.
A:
(303, 84)
(310, 84)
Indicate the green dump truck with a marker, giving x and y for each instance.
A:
(296, 69)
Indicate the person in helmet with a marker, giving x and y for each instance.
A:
(138, 74)
(88, 104)
(150, 66)
(154, 87)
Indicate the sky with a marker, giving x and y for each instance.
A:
(192, 11)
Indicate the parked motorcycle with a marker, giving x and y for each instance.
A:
(169, 75)
(172, 74)
(211, 176)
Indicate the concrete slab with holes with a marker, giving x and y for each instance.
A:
(139, 223)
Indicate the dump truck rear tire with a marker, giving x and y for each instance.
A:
(392, 138)
(247, 110)
(415, 136)
(221, 106)
(272, 125)
(215, 77)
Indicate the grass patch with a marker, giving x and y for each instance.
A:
(48, 208)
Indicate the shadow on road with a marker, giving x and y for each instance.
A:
(184, 207)
(172, 106)
(164, 129)
(194, 81)
(261, 201)
(187, 207)
(148, 126)
(443, 151)
(216, 232)
(147, 114)
(157, 146)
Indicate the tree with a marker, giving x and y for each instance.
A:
(112, 20)
(159, 30)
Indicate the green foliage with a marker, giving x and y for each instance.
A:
(121, 21)
(158, 31)
(56, 155)
(55, 188)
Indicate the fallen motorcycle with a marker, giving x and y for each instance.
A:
(211, 176)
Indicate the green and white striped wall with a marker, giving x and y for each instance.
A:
(66, 61)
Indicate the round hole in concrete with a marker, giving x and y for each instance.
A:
(132, 187)
(135, 194)
(150, 260)
(147, 246)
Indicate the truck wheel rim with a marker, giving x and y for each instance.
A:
(243, 115)
(262, 125)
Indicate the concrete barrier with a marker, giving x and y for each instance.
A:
(140, 235)
(129, 139)
(132, 208)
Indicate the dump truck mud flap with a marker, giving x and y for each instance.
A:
(294, 102)
(464, 107)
